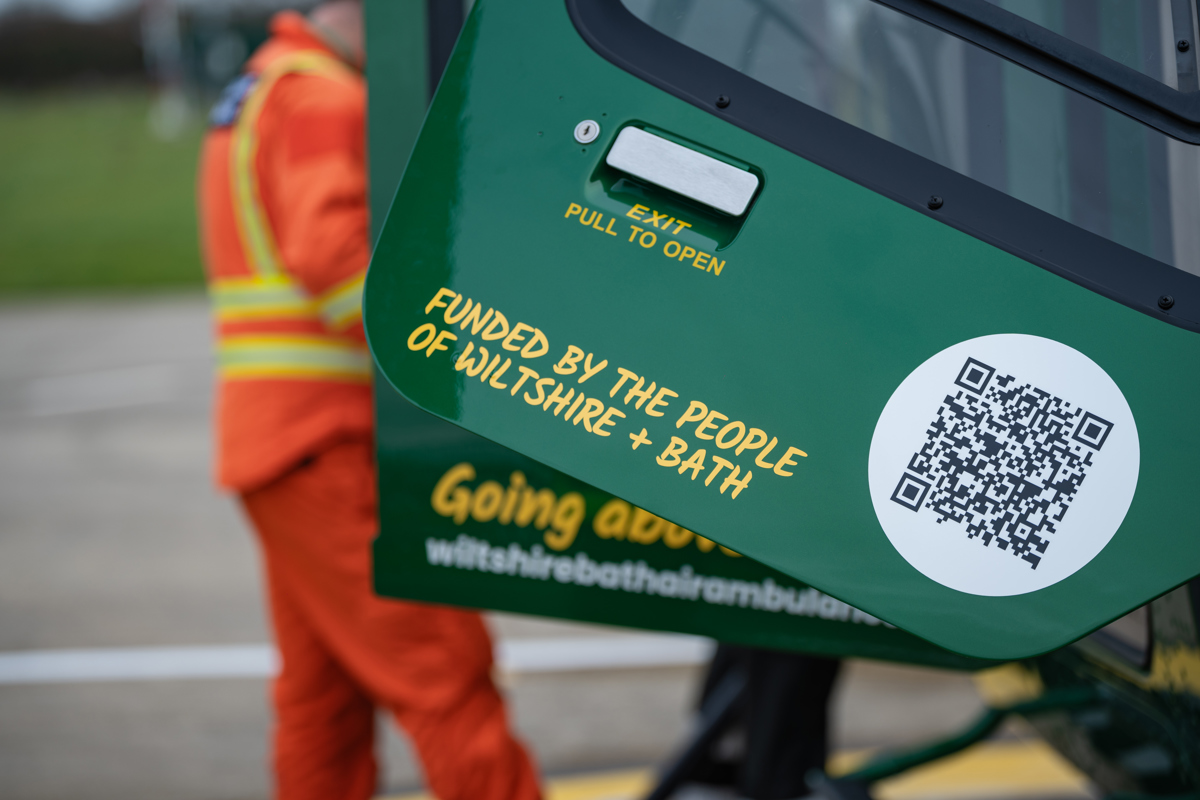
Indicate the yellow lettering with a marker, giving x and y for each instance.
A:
(570, 411)
(668, 252)
(626, 375)
(541, 391)
(609, 229)
(574, 208)
(634, 230)
(538, 338)
(648, 244)
(701, 260)
(557, 399)
(533, 504)
(436, 302)
(607, 419)
(422, 336)
(755, 439)
(516, 482)
(687, 253)
(469, 364)
(659, 400)
(449, 315)
(568, 516)
(485, 505)
(765, 453)
(589, 413)
(526, 374)
(709, 424)
(670, 456)
(495, 380)
(636, 391)
(495, 363)
(589, 371)
(737, 485)
(569, 363)
(637, 212)
(584, 219)
(612, 520)
(695, 463)
(437, 343)
(491, 333)
(788, 461)
(715, 266)
(475, 321)
(682, 225)
(718, 465)
(723, 442)
(655, 217)
(514, 336)
(451, 500)
(696, 411)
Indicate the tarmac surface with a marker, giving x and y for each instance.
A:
(112, 536)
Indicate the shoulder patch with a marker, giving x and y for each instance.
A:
(229, 107)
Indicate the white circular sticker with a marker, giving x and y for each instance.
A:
(1003, 464)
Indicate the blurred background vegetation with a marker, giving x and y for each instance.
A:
(89, 197)
(102, 111)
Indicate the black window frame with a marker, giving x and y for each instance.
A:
(1065, 61)
(1087, 259)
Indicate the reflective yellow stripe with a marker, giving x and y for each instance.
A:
(300, 357)
(271, 292)
(237, 299)
(262, 253)
(342, 304)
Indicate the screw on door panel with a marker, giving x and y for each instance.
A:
(587, 131)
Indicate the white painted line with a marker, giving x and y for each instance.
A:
(106, 389)
(516, 656)
(523, 656)
(137, 664)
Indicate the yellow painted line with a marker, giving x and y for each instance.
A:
(994, 769)
(1010, 769)
(630, 784)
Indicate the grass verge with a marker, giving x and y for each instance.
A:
(90, 199)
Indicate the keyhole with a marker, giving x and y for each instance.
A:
(587, 131)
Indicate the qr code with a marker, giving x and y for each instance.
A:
(1005, 458)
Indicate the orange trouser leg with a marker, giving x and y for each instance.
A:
(325, 724)
(431, 666)
(486, 761)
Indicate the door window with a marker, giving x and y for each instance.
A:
(970, 110)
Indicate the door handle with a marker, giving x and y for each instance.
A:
(683, 170)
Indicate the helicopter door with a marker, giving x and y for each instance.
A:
(871, 301)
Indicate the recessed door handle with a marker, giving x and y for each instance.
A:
(683, 170)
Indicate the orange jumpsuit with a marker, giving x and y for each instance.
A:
(283, 207)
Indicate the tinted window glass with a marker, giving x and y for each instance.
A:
(1141, 34)
(965, 108)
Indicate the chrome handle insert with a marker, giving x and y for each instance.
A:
(683, 170)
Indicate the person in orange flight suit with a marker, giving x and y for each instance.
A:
(283, 207)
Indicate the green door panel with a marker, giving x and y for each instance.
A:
(457, 530)
(416, 449)
(796, 324)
